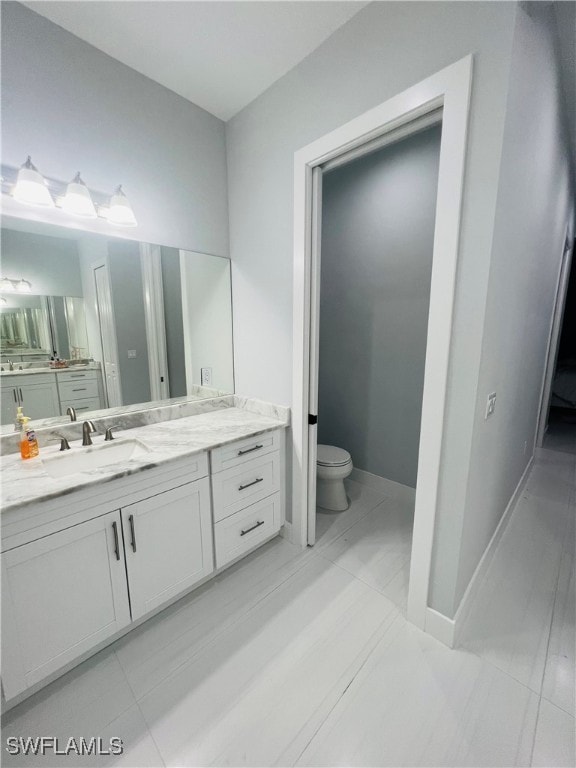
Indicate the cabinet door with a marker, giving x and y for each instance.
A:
(61, 595)
(40, 401)
(168, 541)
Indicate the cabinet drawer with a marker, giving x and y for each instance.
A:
(65, 376)
(241, 532)
(82, 405)
(78, 389)
(243, 451)
(237, 487)
(24, 380)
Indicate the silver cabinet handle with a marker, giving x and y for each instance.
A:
(132, 534)
(249, 450)
(21, 398)
(79, 389)
(77, 375)
(254, 482)
(15, 395)
(116, 544)
(253, 528)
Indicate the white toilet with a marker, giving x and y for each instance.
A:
(333, 465)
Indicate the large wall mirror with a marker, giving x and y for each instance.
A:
(90, 322)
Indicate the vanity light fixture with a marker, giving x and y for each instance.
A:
(30, 187)
(8, 285)
(119, 211)
(77, 199)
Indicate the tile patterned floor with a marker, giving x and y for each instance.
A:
(305, 658)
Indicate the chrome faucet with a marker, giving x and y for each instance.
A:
(10, 365)
(71, 412)
(87, 428)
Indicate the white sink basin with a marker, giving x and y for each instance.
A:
(80, 459)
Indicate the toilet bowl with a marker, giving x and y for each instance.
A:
(333, 465)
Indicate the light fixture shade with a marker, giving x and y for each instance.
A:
(6, 285)
(120, 211)
(77, 199)
(23, 286)
(30, 187)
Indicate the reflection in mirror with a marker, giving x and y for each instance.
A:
(130, 323)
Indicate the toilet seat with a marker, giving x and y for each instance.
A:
(330, 456)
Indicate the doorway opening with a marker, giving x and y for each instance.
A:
(557, 425)
(375, 262)
(449, 91)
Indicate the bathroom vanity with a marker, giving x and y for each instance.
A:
(45, 392)
(87, 555)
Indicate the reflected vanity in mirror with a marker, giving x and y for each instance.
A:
(91, 322)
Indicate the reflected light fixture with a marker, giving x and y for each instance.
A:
(30, 187)
(119, 211)
(8, 285)
(78, 200)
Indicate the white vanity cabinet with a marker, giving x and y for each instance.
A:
(79, 568)
(80, 390)
(61, 596)
(248, 494)
(37, 394)
(168, 540)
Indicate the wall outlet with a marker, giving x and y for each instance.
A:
(490, 405)
(131, 353)
(206, 377)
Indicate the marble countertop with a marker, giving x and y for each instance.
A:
(27, 482)
(46, 369)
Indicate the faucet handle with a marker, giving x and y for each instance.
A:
(64, 444)
(109, 436)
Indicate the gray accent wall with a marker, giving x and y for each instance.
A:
(125, 273)
(51, 264)
(377, 242)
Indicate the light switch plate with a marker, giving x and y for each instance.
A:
(131, 353)
(490, 405)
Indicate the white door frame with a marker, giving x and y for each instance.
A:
(450, 89)
(554, 336)
(107, 327)
(150, 260)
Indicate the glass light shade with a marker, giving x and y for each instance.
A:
(30, 187)
(77, 199)
(6, 285)
(23, 286)
(120, 211)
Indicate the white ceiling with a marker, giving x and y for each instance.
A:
(220, 55)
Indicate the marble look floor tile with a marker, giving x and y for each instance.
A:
(559, 684)
(377, 549)
(554, 743)
(330, 526)
(247, 698)
(81, 703)
(510, 620)
(415, 702)
(165, 642)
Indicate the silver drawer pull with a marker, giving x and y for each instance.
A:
(249, 450)
(258, 524)
(79, 389)
(254, 482)
(116, 544)
(77, 375)
(132, 533)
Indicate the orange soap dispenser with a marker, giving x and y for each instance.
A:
(28, 442)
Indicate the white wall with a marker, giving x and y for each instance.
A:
(73, 108)
(92, 250)
(535, 203)
(384, 49)
(207, 319)
(377, 242)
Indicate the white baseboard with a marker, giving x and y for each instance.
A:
(440, 627)
(481, 569)
(286, 531)
(446, 630)
(389, 487)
